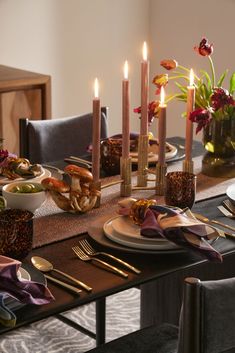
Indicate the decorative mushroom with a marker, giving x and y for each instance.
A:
(56, 188)
(82, 192)
(78, 175)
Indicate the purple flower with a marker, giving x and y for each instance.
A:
(220, 98)
(201, 117)
(204, 48)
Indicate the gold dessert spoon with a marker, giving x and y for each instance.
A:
(45, 266)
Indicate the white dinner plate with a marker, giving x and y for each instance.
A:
(125, 226)
(45, 174)
(153, 157)
(136, 243)
(231, 193)
(23, 275)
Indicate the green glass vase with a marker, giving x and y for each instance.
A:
(219, 142)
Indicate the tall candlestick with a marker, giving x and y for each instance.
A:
(189, 124)
(96, 134)
(144, 91)
(125, 113)
(143, 138)
(162, 129)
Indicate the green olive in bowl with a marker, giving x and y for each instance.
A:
(26, 188)
(24, 195)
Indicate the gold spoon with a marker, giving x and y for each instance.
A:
(45, 266)
(213, 221)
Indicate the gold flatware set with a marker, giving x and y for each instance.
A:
(85, 252)
(213, 221)
(84, 257)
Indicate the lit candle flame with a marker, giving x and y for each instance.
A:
(145, 55)
(126, 70)
(96, 88)
(191, 78)
(162, 96)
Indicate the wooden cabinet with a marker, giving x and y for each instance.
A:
(23, 94)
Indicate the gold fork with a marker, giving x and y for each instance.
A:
(89, 250)
(84, 257)
(229, 206)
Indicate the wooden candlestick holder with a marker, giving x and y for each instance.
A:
(142, 160)
(97, 186)
(125, 166)
(160, 179)
(188, 166)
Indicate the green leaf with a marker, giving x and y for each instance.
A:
(221, 79)
(232, 84)
(209, 85)
(170, 97)
(182, 97)
(179, 76)
(182, 88)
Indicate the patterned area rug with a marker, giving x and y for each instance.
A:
(53, 336)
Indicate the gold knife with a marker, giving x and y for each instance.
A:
(213, 221)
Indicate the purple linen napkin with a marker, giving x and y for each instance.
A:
(28, 292)
(180, 228)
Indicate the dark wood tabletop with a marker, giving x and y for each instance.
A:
(153, 267)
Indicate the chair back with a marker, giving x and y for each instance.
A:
(207, 323)
(43, 141)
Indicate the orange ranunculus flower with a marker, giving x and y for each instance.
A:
(169, 64)
(160, 80)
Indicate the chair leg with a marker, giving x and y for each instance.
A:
(100, 321)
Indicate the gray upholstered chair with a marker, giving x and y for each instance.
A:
(207, 324)
(43, 141)
(46, 141)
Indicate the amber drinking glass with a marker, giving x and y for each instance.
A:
(110, 153)
(180, 189)
(16, 233)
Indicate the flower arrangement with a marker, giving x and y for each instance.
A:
(212, 101)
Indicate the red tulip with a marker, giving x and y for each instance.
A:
(201, 117)
(152, 110)
(137, 110)
(204, 48)
(220, 98)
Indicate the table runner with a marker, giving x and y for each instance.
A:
(52, 224)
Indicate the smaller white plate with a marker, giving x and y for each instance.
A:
(45, 174)
(23, 275)
(231, 193)
(135, 243)
(153, 157)
(124, 226)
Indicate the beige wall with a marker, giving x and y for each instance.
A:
(76, 40)
(176, 27)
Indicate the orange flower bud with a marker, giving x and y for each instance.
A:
(169, 64)
(160, 80)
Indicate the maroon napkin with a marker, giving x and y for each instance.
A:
(179, 227)
(28, 292)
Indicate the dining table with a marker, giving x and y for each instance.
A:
(162, 273)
